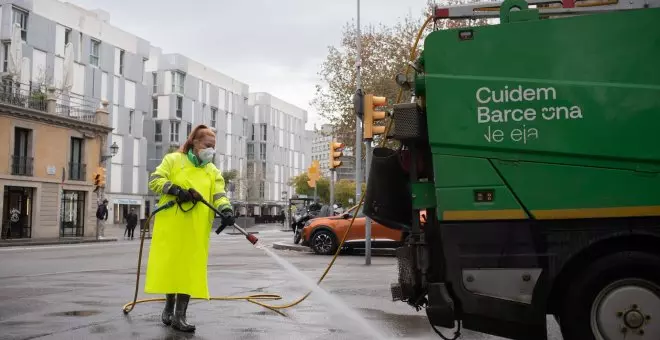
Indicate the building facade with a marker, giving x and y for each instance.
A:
(108, 63)
(184, 94)
(321, 148)
(275, 152)
(47, 159)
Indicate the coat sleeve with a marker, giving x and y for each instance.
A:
(220, 200)
(159, 181)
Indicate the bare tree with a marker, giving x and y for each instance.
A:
(385, 53)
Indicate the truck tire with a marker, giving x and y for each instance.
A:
(619, 293)
(323, 242)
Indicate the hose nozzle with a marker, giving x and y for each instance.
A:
(253, 239)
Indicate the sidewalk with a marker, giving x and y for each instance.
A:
(113, 233)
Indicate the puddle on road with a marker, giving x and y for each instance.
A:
(400, 324)
(90, 303)
(76, 313)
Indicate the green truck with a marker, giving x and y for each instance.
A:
(533, 146)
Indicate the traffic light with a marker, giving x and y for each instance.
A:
(101, 173)
(314, 174)
(371, 116)
(335, 153)
(97, 178)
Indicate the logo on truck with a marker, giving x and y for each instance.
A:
(522, 107)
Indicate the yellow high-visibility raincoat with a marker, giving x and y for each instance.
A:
(178, 255)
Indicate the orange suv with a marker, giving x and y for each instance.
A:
(323, 234)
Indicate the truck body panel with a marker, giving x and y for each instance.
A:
(536, 141)
(567, 101)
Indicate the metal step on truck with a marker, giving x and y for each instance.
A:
(533, 145)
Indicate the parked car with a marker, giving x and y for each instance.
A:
(323, 234)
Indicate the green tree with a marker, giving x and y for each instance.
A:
(302, 188)
(230, 175)
(345, 190)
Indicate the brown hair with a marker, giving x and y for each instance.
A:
(195, 134)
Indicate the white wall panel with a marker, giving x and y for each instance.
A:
(129, 94)
(104, 86)
(78, 79)
(59, 40)
(136, 154)
(115, 177)
(136, 174)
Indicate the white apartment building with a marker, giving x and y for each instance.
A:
(321, 148)
(108, 64)
(275, 151)
(186, 93)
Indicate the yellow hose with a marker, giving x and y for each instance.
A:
(257, 298)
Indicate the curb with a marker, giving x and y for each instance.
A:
(289, 246)
(237, 233)
(356, 252)
(53, 242)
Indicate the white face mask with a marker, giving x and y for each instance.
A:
(206, 155)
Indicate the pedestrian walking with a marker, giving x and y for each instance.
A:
(178, 257)
(101, 218)
(131, 222)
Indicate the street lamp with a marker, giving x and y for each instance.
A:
(114, 148)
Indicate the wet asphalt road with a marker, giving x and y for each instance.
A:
(77, 291)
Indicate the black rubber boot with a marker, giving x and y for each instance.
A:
(179, 321)
(168, 312)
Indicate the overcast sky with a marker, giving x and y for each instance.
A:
(274, 46)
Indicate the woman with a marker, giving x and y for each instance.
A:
(179, 248)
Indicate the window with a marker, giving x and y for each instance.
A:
(94, 52)
(250, 170)
(21, 161)
(214, 114)
(121, 61)
(250, 151)
(174, 131)
(177, 82)
(154, 107)
(264, 131)
(158, 131)
(72, 213)
(131, 113)
(154, 78)
(179, 106)
(5, 56)
(76, 166)
(67, 36)
(80, 44)
(262, 152)
(252, 136)
(20, 17)
(262, 191)
(188, 129)
(144, 69)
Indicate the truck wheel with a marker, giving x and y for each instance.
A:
(617, 297)
(324, 242)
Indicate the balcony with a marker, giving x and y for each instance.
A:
(77, 171)
(22, 166)
(52, 101)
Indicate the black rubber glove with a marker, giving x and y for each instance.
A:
(181, 195)
(227, 218)
(195, 195)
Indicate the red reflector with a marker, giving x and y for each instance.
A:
(442, 12)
